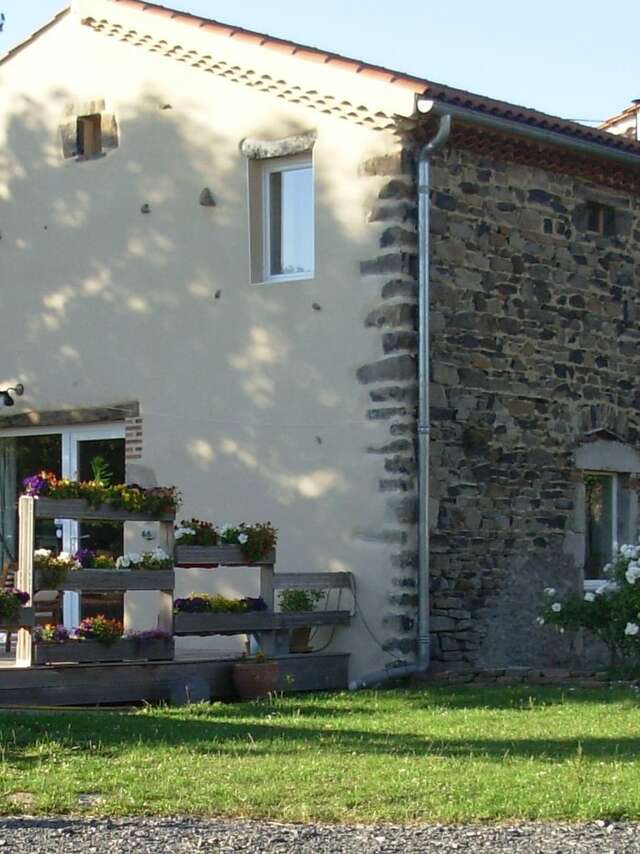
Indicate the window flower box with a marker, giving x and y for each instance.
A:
(224, 555)
(104, 580)
(90, 651)
(253, 621)
(79, 508)
(200, 543)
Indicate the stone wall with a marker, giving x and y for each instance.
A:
(534, 352)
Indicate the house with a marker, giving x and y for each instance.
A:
(210, 260)
(625, 122)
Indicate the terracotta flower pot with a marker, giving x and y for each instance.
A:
(255, 679)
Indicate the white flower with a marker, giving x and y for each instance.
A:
(77, 564)
(242, 539)
(549, 591)
(540, 621)
(134, 557)
(64, 556)
(123, 562)
(631, 629)
(615, 546)
(633, 573)
(557, 607)
(159, 554)
(224, 528)
(601, 590)
(589, 597)
(607, 569)
(42, 553)
(183, 532)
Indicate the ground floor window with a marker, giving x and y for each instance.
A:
(601, 504)
(75, 453)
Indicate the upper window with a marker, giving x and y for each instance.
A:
(89, 135)
(600, 219)
(287, 219)
(88, 132)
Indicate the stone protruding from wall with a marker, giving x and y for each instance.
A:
(391, 382)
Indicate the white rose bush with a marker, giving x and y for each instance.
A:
(610, 613)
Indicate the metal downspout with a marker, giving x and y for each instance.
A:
(422, 464)
(424, 400)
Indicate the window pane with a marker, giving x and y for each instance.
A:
(275, 222)
(21, 457)
(599, 533)
(623, 534)
(291, 221)
(105, 456)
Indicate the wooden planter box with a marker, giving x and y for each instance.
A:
(26, 618)
(218, 555)
(99, 580)
(87, 652)
(254, 621)
(77, 508)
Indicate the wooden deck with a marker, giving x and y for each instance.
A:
(193, 676)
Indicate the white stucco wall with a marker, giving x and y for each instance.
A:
(250, 400)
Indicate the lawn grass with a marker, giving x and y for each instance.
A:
(435, 754)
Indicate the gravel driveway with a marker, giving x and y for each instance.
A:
(178, 836)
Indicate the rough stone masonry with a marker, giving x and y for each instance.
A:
(534, 351)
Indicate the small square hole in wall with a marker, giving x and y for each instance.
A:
(600, 219)
(89, 135)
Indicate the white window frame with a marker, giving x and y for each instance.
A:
(269, 167)
(70, 437)
(592, 584)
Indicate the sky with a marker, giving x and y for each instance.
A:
(573, 58)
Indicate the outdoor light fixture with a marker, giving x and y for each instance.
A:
(5, 396)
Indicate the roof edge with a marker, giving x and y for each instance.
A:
(523, 116)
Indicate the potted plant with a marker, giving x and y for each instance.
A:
(255, 676)
(200, 543)
(88, 570)
(51, 570)
(293, 601)
(99, 639)
(99, 499)
(12, 611)
(202, 613)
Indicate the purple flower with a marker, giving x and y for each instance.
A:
(52, 634)
(34, 485)
(85, 557)
(19, 594)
